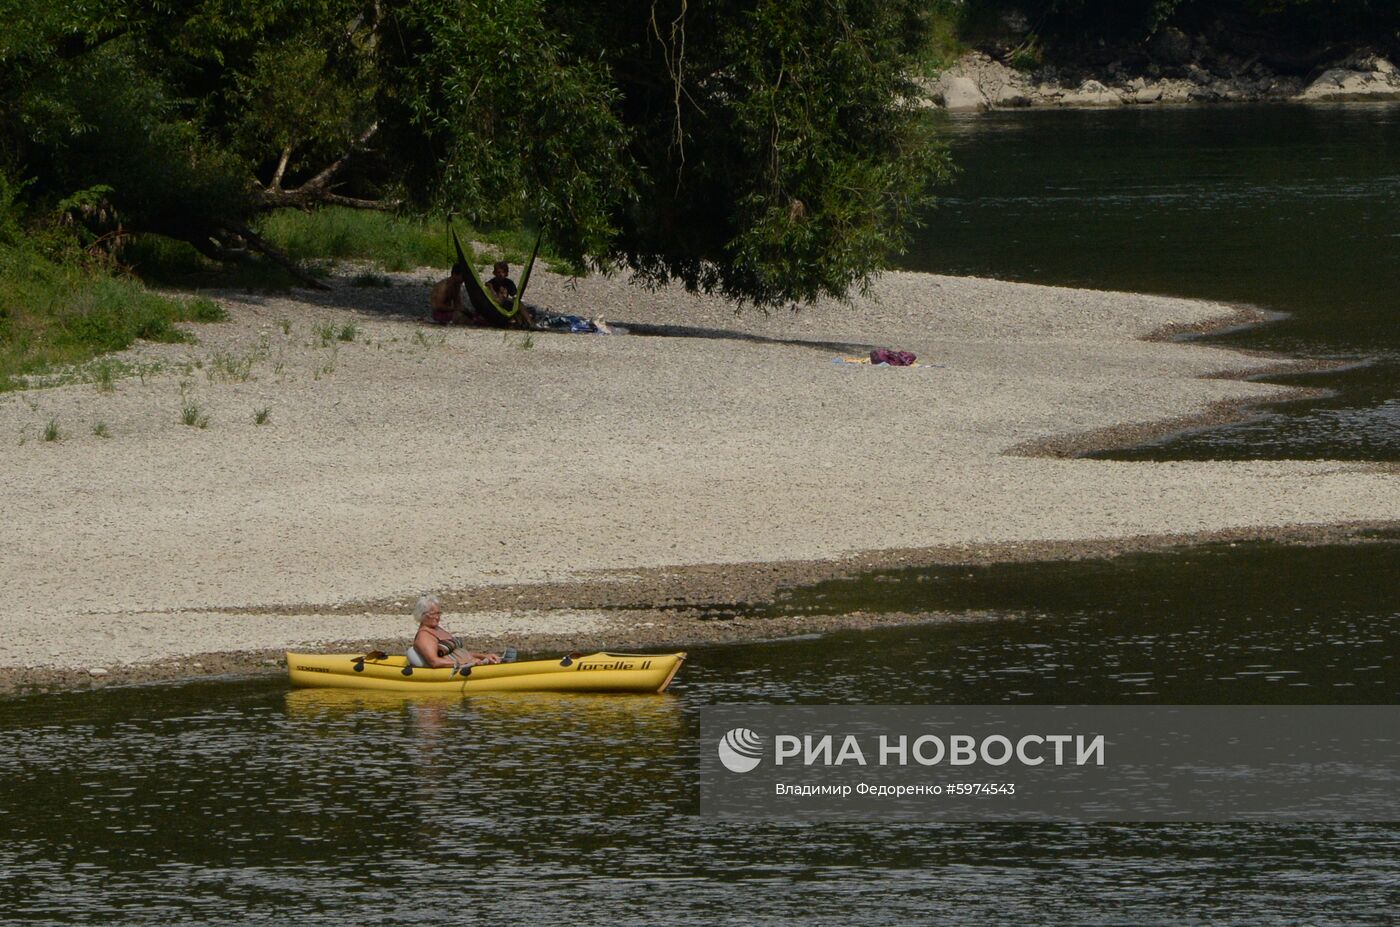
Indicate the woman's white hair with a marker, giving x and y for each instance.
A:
(424, 603)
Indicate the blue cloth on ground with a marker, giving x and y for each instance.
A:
(565, 323)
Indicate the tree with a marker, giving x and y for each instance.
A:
(768, 150)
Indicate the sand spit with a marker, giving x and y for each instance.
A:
(411, 458)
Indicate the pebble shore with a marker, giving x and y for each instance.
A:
(715, 458)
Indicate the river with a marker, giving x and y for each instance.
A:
(235, 801)
(1294, 209)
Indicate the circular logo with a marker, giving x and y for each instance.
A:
(740, 750)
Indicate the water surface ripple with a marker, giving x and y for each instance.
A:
(241, 801)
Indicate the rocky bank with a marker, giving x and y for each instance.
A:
(1180, 73)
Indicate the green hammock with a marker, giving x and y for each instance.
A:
(482, 301)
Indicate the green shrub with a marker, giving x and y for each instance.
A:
(56, 313)
(203, 309)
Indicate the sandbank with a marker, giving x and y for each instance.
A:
(524, 477)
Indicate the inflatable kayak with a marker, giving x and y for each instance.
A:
(598, 672)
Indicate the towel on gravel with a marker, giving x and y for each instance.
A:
(892, 357)
(870, 362)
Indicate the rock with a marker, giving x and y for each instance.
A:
(978, 82)
(1175, 91)
(97, 671)
(998, 84)
(959, 94)
(1365, 61)
(1091, 93)
(1172, 46)
(1009, 95)
(1336, 84)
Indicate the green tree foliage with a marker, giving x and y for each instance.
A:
(779, 157)
(767, 150)
(510, 123)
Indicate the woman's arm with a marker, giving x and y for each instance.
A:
(482, 657)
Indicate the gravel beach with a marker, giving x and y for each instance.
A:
(399, 457)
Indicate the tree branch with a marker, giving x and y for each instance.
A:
(276, 183)
(257, 243)
(321, 180)
(335, 199)
(317, 189)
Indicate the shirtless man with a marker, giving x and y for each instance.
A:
(445, 303)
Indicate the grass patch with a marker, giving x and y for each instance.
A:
(395, 243)
(225, 366)
(262, 416)
(104, 376)
(427, 343)
(54, 315)
(51, 430)
(204, 309)
(100, 430)
(369, 278)
(192, 415)
(347, 332)
(319, 237)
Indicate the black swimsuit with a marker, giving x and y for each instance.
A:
(445, 647)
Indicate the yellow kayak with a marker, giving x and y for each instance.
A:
(598, 672)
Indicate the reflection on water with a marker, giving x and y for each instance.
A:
(1293, 208)
(199, 803)
(1225, 624)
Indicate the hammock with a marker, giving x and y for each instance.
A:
(482, 301)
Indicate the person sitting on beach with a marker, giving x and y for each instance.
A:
(434, 646)
(501, 271)
(505, 298)
(445, 303)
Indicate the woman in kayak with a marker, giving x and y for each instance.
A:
(434, 646)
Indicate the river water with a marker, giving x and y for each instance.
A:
(1295, 209)
(236, 801)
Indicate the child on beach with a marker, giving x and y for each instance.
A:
(505, 297)
(501, 271)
